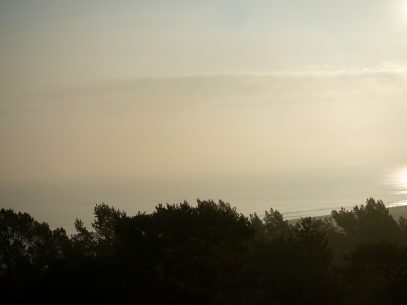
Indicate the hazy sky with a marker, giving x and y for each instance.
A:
(96, 90)
(77, 41)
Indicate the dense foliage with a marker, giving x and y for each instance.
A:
(206, 254)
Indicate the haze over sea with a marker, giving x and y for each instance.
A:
(296, 105)
(295, 194)
(301, 142)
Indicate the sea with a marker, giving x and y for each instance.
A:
(294, 193)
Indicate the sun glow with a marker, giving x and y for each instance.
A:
(400, 181)
(403, 177)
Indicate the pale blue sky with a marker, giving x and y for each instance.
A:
(70, 41)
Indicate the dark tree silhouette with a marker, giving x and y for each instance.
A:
(370, 222)
(206, 254)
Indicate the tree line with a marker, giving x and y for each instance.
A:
(206, 253)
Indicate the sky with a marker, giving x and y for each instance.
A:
(100, 92)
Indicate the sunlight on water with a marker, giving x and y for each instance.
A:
(398, 181)
(397, 204)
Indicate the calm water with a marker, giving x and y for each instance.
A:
(295, 194)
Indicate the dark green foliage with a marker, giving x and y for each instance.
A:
(377, 274)
(370, 222)
(206, 254)
(27, 250)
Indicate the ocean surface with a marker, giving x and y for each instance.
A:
(294, 193)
